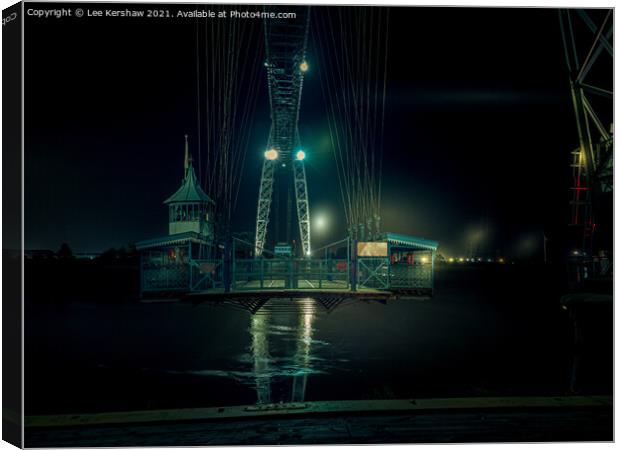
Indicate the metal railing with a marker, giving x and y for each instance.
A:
(277, 273)
(373, 273)
(206, 274)
(411, 276)
(165, 277)
(290, 273)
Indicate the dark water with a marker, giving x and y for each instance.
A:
(485, 332)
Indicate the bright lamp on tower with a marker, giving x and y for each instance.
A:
(301, 155)
(271, 154)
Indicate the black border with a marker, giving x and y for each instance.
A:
(12, 226)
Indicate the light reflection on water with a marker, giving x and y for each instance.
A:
(265, 330)
(280, 350)
(168, 355)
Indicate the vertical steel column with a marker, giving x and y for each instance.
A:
(191, 267)
(227, 265)
(265, 195)
(233, 265)
(303, 207)
(353, 272)
(141, 262)
(433, 272)
(389, 265)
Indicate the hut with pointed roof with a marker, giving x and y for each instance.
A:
(168, 263)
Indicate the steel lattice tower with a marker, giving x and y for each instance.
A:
(585, 46)
(286, 41)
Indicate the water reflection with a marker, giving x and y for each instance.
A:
(302, 356)
(282, 350)
(218, 353)
(260, 350)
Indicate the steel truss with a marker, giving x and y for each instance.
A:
(592, 162)
(303, 208)
(265, 195)
(286, 41)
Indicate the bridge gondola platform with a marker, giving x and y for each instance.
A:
(215, 295)
(363, 293)
(219, 295)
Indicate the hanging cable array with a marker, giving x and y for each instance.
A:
(352, 48)
(228, 74)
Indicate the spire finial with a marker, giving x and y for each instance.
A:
(187, 159)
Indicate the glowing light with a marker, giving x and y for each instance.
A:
(303, 66)
(461, 260)
(424, 259)
(501, 260)
(308, 253)
(451, 260)
(272, 154)
(301, 155)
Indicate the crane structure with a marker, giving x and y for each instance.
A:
(285, 48)
(588, 50)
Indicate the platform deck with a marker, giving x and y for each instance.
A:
(219, 294)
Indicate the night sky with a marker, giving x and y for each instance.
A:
(478, 111)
